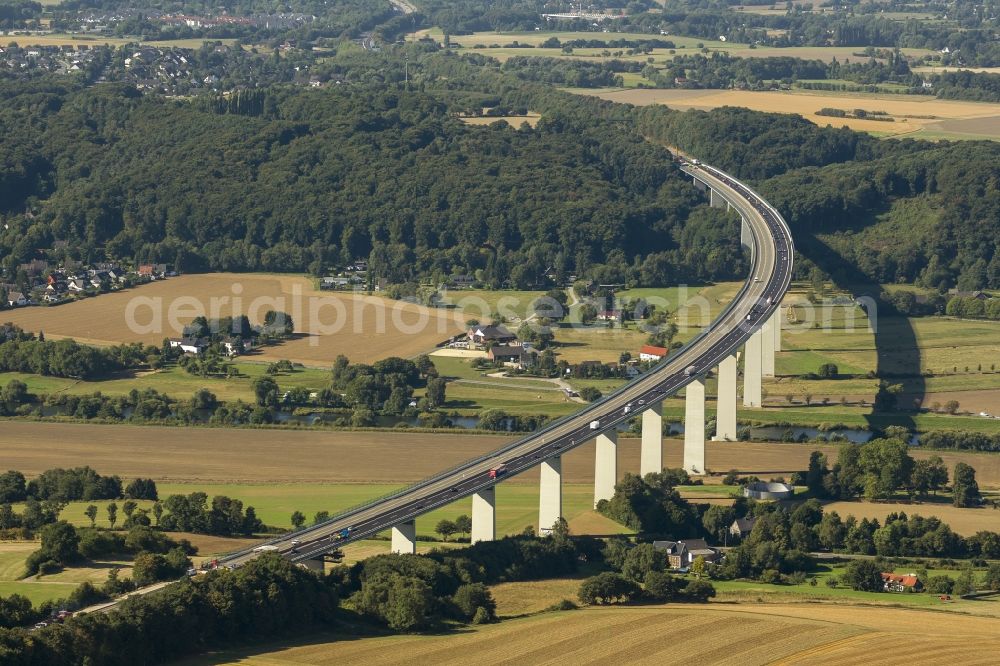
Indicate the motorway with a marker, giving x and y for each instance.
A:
(760, 296)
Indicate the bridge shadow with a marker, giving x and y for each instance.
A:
(896, 349)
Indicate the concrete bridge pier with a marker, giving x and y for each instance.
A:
(651, 453)
(550, 494)
(484, 515)
(752, 394)
(694, 426)
(776, 327)
(404, 538)
(767, 348)
(716, 200)
(725, 415)
(605, 466)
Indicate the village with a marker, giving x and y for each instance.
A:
(38, 282)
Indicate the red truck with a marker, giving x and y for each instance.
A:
(497, 471)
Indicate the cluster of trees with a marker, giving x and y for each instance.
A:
(961, 440)
(24, 352)
(498, 420)
(973, 308)
(157, 557)
(409, 592)
(225, 516)
(67, 485)
(776, 548)
(965, 84)
(882, 467)
(900, 535)
(572, 73)
(639, 571)
(651, 504)
(193, 615)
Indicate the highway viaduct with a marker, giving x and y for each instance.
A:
(749, 322)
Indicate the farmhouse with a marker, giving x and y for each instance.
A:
(610, 315)
(901, 582)
(189, 345)
(331, 282)
(652, 353)
(481, 335)
(978, 295)
(515, 356)
(682, 553)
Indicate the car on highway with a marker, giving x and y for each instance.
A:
(690, 370)
(594, 425)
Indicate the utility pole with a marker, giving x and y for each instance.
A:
(406, 70)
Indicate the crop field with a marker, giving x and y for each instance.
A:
(202, 456)
(514, 121)
(913, 115)
(517, 506)
(830, 635)
(365, 328)
(501, 46)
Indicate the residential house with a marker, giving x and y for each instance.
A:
(892, 582)
(610, 315)
(514, 356)
(742, 527)
(682, 553)
(189, 345)
(331, 282)
(16, 299)
(978, 295)
(482, 335)
(236, 346)
(76, 285)
(462, 281)
(652, 353)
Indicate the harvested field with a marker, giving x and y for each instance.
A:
(782, 634)
(514, 121)
(988, 126)
(911, 113)
(231, 456)
(963, 521)
(365, 328)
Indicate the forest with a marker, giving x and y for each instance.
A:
(303, 180)
(316, 177)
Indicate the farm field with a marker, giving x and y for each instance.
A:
(914, 115)
(498, 45)
(781, 633)
(365, 328)
(514, 121)
(517, 505)
(202, 456)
